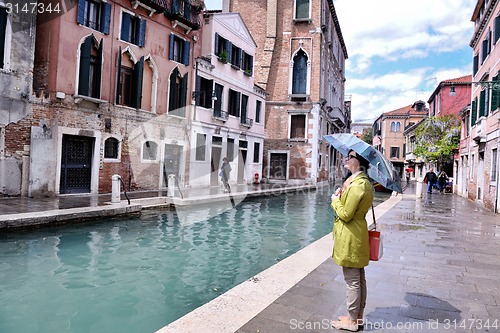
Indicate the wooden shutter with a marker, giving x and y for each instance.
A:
(473, 115)
(80, 18)
(171, 93)
(118, 76)
(216, 51)
(137, 84)
(125, 33)
(497, 29)
(186, 49)
(99, 68)
(198, 89)
(141, 36)
(229, 50)
(105, 17)
(238, 106)
(482, 103)
(171, 51)
(184, 85)
(83, 80)
(494, 94)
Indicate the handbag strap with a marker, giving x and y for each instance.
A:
(374, 220)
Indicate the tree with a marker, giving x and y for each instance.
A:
(437, 137)
(367, 135)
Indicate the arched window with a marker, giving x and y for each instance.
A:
(393, 126)
(129, 87)
(177, 93)
(149, 150)
(89, 79)
(398, 126)
(111, 146)
(299, 82)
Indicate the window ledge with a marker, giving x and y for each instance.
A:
(79, 98)
(235, 66)
(302, 20)
(297, 140)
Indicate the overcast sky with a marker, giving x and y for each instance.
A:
(400, 50)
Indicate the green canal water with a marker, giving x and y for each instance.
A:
(138, 274)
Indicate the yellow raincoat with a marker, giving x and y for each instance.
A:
(350, 230)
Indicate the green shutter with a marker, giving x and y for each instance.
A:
(118, 76)
(482, 103)
(184, 84)
(473, 115)
(83, 80)
(171, 93)
(137, 84)
(99, 69)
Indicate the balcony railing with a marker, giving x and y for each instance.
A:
(220, 115)
(335, 114)
(247, 122)
(184, 11)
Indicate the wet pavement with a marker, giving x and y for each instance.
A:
(440, 270)
(439, 273)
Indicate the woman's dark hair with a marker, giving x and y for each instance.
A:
(362, 161)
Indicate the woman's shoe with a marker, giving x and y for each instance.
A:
(347, 325)
(360, 321)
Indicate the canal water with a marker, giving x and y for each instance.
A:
(138, 274)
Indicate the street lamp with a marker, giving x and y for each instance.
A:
(494, 85)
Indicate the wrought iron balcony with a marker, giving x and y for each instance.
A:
(335, 114)
(220, 115)
(247, 122)
(184, 12)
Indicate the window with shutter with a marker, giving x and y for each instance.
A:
(94, 15)
(256, 152)
(89, 82)
(258, 107)
(234, 103)
(177, 93)
(133, 29)
(149, 151)
(496, 29)
(179, 49)
(473, 112)
(482, 103)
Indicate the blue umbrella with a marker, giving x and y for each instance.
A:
(381, 169)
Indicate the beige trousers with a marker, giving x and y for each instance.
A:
(356, 291)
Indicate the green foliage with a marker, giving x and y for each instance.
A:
(367, 135)
(437, 137)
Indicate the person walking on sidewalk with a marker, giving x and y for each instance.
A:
(442, 180)
(351, 248)
(225, 170)
(430, 179)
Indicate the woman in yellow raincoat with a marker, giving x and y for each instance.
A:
(351, 248)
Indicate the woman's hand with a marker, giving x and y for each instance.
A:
(337, 194)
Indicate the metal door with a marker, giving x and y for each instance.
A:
(278, 166)
(76, 164)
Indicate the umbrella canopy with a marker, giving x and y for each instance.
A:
(381, 169)
(409, 169)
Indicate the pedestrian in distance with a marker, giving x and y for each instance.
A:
(430, 179)
(442, 180)
(224, 173)
(351, 248)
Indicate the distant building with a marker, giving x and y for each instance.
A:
(388, 132)
(359, 128)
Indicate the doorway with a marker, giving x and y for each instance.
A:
(171, 162)
(76, 164)
(215, 160)
(278, 166)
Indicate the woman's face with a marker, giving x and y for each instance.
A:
(351, 162)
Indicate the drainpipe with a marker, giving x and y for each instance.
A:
(495, 209)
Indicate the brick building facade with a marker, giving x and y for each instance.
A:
(300, 63)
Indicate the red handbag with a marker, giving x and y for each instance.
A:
(375, 239)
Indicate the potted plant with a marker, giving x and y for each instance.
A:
(223, 56)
